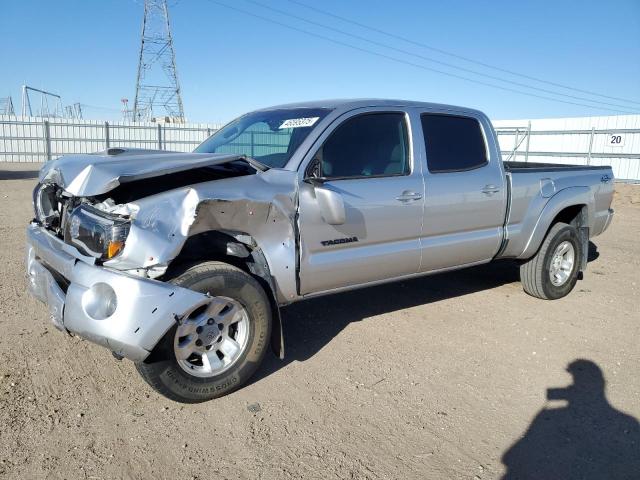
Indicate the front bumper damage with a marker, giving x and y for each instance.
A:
(71, 286)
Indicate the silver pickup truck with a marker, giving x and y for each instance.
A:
(181, 261)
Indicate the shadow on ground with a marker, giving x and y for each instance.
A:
(310, 325)
(18, 174)
(585, 439)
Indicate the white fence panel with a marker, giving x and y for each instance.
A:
(32, 139)
(612, 140)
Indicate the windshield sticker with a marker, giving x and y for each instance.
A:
(298, 122)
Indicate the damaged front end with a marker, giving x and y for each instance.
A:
(107, 229)
(126, 314)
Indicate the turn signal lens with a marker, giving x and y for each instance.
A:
(114, 248)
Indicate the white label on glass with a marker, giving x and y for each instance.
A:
(298, 122)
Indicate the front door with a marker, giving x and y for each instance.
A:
(367, 161)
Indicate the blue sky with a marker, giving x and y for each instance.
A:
(229, 62)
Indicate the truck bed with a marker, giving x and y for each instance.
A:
(533, 185)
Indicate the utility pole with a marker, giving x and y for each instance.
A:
(157, 87)
(126, 113)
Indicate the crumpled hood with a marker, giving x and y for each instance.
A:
(97, 173)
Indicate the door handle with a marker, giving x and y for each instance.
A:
(408, 196)
(490, 189)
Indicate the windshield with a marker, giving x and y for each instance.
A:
(271, 136)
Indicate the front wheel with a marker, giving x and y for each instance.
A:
(553, 271)
(216, 349)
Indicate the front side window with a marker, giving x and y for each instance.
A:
(453, 143)
(367, 145)
(270, 136)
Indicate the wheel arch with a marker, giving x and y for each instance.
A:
(242, 251)
(571, 206)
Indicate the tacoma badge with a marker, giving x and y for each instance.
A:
(339, 240)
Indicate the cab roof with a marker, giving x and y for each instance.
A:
(346, 104)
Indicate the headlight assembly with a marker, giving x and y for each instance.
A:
(45, 204)
(96, 233)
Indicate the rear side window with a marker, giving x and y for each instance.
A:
(453, 144)
(370, 145)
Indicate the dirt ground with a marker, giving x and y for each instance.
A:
(435, 378)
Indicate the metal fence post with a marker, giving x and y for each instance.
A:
(526, 153)
(593, 131)
(106, 135)
(47, 139)
(159, 137)
(515, 146)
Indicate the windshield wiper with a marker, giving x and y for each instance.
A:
(255, 163)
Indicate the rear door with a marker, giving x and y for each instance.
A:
(367, 159)
(465, 191)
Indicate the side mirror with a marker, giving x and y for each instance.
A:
(331, 205)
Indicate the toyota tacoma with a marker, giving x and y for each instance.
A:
(180, 262)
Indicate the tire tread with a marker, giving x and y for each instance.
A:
(532, 271)
(186, 275)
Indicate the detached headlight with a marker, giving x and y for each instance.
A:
(96, 233)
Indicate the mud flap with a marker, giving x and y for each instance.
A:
(277, 334)
(260, 268)
(583, 233)
(581, 223)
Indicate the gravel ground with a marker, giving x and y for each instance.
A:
(439, 377)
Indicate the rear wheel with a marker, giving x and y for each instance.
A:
(216, 349)
(553, 271)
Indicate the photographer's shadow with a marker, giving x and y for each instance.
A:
(586, 439)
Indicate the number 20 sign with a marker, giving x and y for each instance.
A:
(615, 140)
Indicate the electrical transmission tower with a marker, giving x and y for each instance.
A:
(157, 87)
(50, 103)
(6, 106)
(73, 111)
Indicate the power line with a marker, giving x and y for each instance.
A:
(406, 62)
(454, 55)
(429, 59)
(98, 107)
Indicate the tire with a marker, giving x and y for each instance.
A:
(185, 380)
(541, 277)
